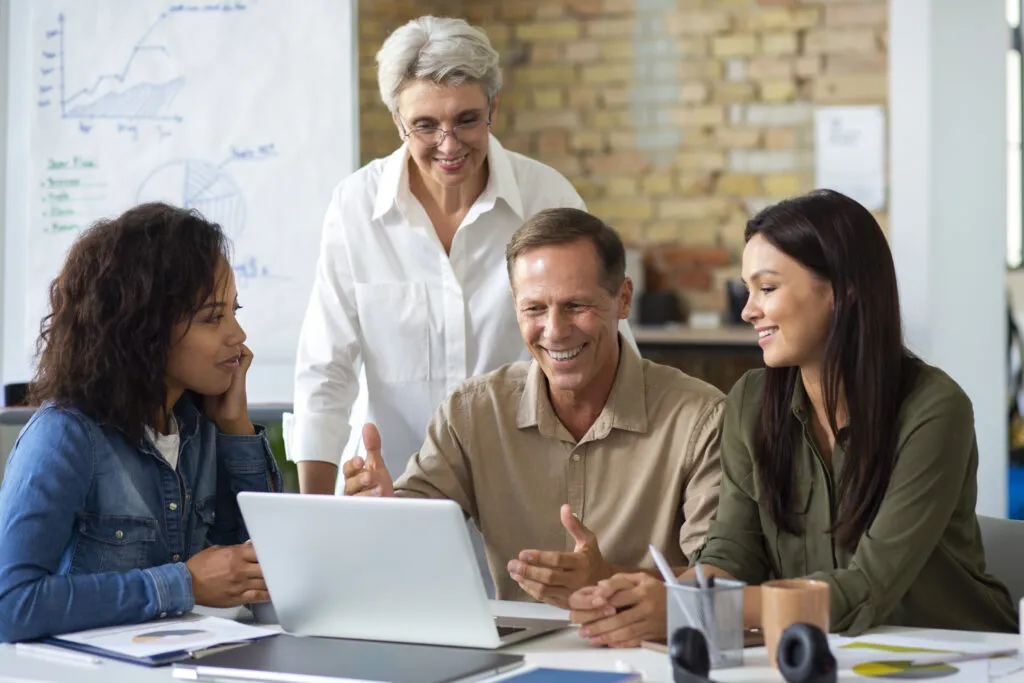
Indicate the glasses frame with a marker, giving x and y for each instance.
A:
(408, 131)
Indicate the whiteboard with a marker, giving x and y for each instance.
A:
(245, 111)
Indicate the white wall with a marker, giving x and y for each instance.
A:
(947, 90)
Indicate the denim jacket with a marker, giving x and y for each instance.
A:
(95, 531)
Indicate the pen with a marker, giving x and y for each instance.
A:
(56, 654)
(707, 599)
(954, 658)
(670, 578)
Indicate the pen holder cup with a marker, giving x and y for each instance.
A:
(717, 612)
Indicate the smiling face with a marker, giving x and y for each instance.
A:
(568, 320)
(788, 305)
(424, 105)
(208, 348)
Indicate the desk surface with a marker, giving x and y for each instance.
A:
(563, 649)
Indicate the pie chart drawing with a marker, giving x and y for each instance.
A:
(199, 185)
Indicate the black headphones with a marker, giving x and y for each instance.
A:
(803, 656)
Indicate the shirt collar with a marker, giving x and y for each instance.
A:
(501, 183)
(626, 407)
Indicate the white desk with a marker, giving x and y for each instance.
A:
(564, 649)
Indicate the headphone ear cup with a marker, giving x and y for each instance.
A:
(803, 655)
(688, 651)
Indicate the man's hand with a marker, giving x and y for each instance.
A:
(369, 477)
(621, 611)
(227, 576)
(551, 576)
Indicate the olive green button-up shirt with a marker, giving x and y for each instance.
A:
(920, 564)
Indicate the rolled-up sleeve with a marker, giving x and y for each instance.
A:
(735, 539)
(440, 469)
(328, 359)
(700, 495)
(931, 469)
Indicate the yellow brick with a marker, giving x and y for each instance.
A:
(371, 29)
(840, 41)
(734, 45)
(738, 138)
(620, 140)
(616, 50)
(857, 14)
(583, 96)
(691, 184)
(608, 6)
(587, 140)
(779, 44)
(550, 10)
(549, 30)
(545, 75)
(692, 46)
(630, 232)
(528, 120)
(780, 138)
(855, 89)
(694, 209)
(705, 160)
(609, 118)
(657, 184)
(583, 51)
(782, 185)
(497, 33)
(698, 116)
(693, 93)
(546, 53)
(730, 93)
(548, 98)
(622, 187)
(808, 66)
(512, 99)
(766, 68)
(610, 28)
(694, 69)
(856, 64)
(697, 136)
(662, 232)
(616, 96)
(737, 184)
(608, 73)
(622, 210)
(698, 23)
(778, 91)
(783, 18)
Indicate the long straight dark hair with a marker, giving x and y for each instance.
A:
(839, 240)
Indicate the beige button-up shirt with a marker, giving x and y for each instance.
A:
(647, 471)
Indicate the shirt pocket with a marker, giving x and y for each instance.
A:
(108, 543)
(395, 330)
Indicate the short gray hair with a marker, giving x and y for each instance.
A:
(443, 50)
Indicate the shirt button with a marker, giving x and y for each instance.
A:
(575, 457)
(178, 613)
(175, 557)
(118, 534)
(163, 615)
(172, 506)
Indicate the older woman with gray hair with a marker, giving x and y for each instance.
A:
(411, 285)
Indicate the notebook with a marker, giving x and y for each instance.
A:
(162, 641)
(309, 659)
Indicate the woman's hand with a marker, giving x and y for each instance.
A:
(230, 410)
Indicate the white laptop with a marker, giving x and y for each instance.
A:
(390, 569)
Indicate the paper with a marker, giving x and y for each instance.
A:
(849, 152)
(242, 110)
(861, 655)
(187, 633)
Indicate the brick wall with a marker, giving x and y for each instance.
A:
(675, 119)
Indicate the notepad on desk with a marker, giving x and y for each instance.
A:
(161, 642)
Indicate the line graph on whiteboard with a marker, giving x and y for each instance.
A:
(141, 90)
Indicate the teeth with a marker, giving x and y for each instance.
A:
(451, 162)
(565, 355)
(764, 333)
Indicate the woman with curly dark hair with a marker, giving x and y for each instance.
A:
(129, 468)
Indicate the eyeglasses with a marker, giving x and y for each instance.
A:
(433, 136)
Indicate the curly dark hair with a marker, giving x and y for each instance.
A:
(125, 285)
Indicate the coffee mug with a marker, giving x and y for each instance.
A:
(792, 601)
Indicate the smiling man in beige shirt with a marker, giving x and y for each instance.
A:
(570, 464)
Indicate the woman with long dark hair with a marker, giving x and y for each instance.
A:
(129, 468)
(847, 459)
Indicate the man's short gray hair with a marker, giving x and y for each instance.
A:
(445, 51)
